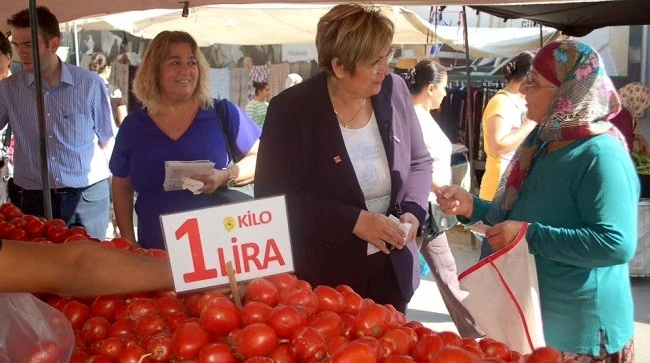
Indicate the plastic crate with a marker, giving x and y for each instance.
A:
(640, 263)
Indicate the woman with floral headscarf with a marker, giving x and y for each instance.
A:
(574, 183)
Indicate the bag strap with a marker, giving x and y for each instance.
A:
(6, 141)
(222, 116)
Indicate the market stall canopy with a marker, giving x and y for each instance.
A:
(67, 10)
(577, 19)
(296, 24)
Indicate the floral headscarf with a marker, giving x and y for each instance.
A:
(583, 102)
(635, 97)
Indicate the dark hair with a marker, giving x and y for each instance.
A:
(259, 87)
(47, 22)
(424, 73)
(5, 45)
(518, 67)
(98, 62)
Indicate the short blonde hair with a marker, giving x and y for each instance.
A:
(146, 85)
(354, 33)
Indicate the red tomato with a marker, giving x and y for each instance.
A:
(255, 312)
(216, 353)
(18, 234)
(353, 302)
(129, 339)
(354, 352)
(283, 281)
(400, 340)
(119, 327)
(259, 360)
(191, 303)
(35, 228)
(132, 354)
(188, 340)
(450, 338)
(427, 348)
(111, 347)
(424, 331)
(414, 324)
(75, 238)
(545, 355)
(372, 321)
(307, 300)
(254, 340)
(150, 324)
(170, 305)
(309, 345)
(334, 343)
(262, 290)
(12, 212)
(348, 326)
(79, 356)
(220, 317)
(496, 349)
(95, 329)
(173, 321)
(44, 352)
(159, 346)
(140, 307)
(327, 323)
(285, 320)
(77, 230)
(344, 289)
(329, 299)
(453, 354)
(515, 356)
(56, 234)
(77, 313)
(122, 243)
(99, 359)
(5, 229)
(106, 307)
(283, 353)
(303, 285)
(398, 359)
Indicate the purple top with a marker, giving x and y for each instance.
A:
(141, 150)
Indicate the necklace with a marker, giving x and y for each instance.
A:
(345, 124)
(178, 128)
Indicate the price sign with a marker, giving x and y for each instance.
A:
(254, 235)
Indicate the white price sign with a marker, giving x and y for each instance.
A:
(254, 235)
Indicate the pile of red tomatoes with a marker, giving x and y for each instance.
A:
(283, 319)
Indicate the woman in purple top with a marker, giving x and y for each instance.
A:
(179, 122)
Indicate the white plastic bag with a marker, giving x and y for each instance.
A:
(32, 331)
(504, 296)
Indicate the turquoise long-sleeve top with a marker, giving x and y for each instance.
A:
(581, 203)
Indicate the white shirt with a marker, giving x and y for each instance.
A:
(439, 147)
(368, 156)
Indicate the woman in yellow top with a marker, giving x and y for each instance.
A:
(505, 126)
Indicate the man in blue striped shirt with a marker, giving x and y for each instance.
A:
(79, 133)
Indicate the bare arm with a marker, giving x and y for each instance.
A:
(501, 139)
(245, 168)
(122, 190)
(79, 269)
(121, 114)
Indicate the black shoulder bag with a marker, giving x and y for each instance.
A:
(239, 193)
(437, 222)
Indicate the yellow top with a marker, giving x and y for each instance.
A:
(512, 110)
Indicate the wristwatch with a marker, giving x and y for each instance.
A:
(231, 178)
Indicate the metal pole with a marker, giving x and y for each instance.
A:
(40, 105)
(541, 36)
(469, 105)
(76, 43)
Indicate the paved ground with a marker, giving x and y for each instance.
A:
(428, 308)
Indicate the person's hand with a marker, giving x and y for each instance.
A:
(213, 181)
(503, 234)
(415, 225)
(454, 200)
(377, 229)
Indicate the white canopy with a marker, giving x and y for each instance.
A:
(67, 10)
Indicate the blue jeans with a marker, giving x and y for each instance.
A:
(87, 207)
(486, 250)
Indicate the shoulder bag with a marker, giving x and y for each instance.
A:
(239, 193)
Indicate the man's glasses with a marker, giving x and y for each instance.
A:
(529, 83)
(378, 65)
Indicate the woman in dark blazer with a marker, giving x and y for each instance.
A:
(346, 149)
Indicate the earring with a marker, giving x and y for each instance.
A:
(338, 75)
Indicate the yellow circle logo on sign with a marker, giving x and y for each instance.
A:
(229, 223)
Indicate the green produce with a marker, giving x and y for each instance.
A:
(642, 163)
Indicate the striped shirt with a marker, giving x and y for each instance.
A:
(78, 119)
(257, 111)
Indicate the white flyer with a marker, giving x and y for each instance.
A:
(175, 171)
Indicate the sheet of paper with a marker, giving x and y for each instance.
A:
(406, 227)
(175, 171)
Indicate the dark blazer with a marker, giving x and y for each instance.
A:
(302, 154)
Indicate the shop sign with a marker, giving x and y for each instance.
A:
(253, 235)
